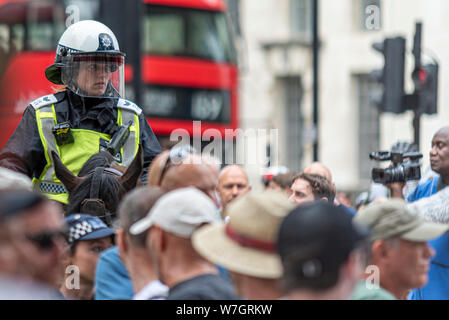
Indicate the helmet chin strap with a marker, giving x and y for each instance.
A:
(114, 92)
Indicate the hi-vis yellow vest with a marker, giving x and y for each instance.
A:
(86, 143)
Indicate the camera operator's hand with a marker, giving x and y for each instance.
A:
(396, 189)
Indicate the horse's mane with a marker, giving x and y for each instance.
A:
(111, 191)
(101, 159)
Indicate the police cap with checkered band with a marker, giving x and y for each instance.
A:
(86, 227)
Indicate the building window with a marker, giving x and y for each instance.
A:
(369, 15)
(368, 132)
(295, 122)
(301, 18)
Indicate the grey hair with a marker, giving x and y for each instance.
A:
(135, 206)
(14, 180)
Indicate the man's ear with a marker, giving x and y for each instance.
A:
(156, 239)
(380, 250)
(120, 240)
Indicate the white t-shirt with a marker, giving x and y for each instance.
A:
(154, 290)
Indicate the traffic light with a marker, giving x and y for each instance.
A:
(426, 83)
(392, 75)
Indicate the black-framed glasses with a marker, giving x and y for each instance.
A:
(46, 240)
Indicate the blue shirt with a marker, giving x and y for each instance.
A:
(424, 190)
(437, 288)
(112, 280)
(350, 210)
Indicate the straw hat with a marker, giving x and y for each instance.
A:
(247, 243)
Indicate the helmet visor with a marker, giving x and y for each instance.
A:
(99, 75)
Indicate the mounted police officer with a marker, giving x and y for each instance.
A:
(88, 116)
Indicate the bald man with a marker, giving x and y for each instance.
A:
(320, 170)
(232, 183)
(187, 170)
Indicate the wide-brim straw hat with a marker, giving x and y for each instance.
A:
(247, 243)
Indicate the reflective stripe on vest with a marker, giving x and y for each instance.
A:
(74, 155)
(131, 146)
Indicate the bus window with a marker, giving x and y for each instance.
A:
(204, 39)
(4, 38)
(187, 32)
(41, 36)
(17, 38)
(224, 34)
(164, 33)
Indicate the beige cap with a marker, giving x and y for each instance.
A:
(179, 212)
(392, 218)
(247, 243)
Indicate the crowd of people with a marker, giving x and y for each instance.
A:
(109, 215)
(195, 231)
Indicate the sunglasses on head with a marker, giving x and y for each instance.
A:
(45, 240)
(175, 156)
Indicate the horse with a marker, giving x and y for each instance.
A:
(100, 185)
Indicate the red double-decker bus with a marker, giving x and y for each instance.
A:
(181, 61)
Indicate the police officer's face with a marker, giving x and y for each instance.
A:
(93, 77)
(86, 256)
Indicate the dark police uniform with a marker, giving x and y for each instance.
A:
(25, 152)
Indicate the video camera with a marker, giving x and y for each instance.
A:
(405, 166)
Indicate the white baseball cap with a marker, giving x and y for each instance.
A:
(180, 212)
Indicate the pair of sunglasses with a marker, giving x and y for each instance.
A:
(46, 240)
(175, 156)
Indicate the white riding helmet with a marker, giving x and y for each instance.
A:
(88, 61)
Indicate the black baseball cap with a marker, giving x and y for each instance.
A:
(14, 202)
(314, 240)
